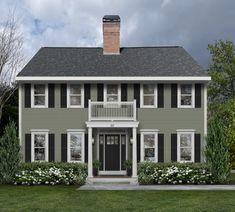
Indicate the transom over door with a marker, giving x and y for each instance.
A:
(112, 152)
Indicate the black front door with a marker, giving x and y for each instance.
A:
(112, 152)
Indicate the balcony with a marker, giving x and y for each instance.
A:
(112, 111)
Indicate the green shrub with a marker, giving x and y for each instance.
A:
(9, 153)
(174, 173)
(38, 173)
(217, 151)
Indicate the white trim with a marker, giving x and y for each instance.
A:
(76, 130)
(142, 149)
(46, 143)
(112, 124)
(179, 96)
(205, 109)
(20, 113)
(115, 78)
(32, 96)
(149, 130)
(142, 96)
(192, 145)
(185, 130)
(68, 96)
(122, 172)
(105, 92)
(82, 146)
(39, 130)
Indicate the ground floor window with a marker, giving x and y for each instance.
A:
(149, 146)
(75, 146)
(39, 146)
(185, 146)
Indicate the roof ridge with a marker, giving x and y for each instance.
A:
(124, 47)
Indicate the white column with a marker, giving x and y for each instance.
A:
(134, 153)
(90, 166)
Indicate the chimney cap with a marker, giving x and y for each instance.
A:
(111, 18)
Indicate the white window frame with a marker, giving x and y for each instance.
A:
(68, 96)
(148, 132)
(179, 96)
(142, 96)
(182, 132)
(105, 92)
(35, 132)
(33, 97)
(69, 133)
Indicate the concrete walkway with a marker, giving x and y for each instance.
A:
(155, 187)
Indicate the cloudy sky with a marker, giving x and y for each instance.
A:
(188, 23)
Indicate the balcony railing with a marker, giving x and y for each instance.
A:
(112, 111)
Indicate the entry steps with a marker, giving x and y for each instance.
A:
(112, 180)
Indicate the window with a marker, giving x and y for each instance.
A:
(149, 146)
(75, 95)
(148, 95)
(39, 95)
(186, 95)
(39, 146)
(75, 146)
(112, 93)
(185, 146)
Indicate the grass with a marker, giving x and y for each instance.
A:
(68, 198)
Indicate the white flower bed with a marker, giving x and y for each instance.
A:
(50, 176)
(153, 173)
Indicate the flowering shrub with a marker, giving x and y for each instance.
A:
(51, 174)
(174, 173)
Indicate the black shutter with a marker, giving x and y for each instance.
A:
(87, 94)
(173, 95)
(51, 147)
(198, 95)
(137, 94)
(100, 92)
(27, 147)
(197, 148)
(27, 95)
(160, 94)
(63, 95)
(161, 147)
(138, 147)
(173, 147)
(123, 92)
(64, 147)
(86, 148)
(51, 92)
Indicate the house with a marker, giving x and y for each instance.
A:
(112, 104)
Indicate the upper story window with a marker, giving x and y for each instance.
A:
(186, 95)
(112, 93)
(39, 146)
(39, 95)
(75, 93)
(148, 95)
(149, 146)
(185, 146)
(75, 147)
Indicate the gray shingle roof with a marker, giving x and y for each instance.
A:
(132, 61)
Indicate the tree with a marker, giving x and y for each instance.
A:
(222, 71)
(11, 58)
(217, 150)
(9, 153)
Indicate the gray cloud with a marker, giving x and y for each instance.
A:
(192, 24)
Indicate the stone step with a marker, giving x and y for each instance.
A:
(110, 181)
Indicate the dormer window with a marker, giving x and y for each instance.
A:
(39, 95)
(112, 93)
(186, 96)
(75, 93)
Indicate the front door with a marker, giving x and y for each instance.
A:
(112, 152)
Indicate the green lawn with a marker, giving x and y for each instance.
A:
(67, 198)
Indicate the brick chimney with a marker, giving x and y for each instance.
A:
(111, 34)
